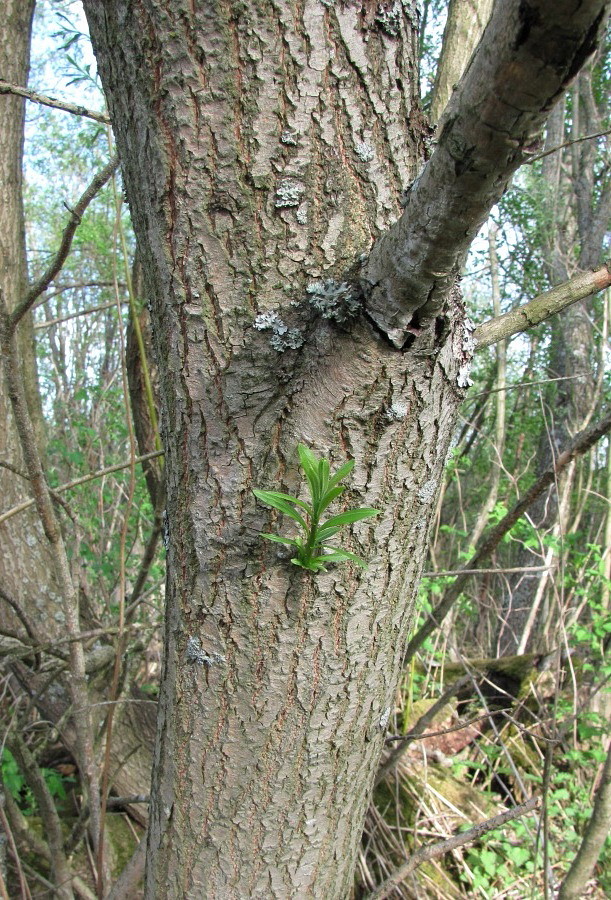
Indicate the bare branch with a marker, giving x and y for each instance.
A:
(418, 730)
(78, 481)
(580, 444)
(8, 88)
(433, 851)
(542, 307)
(81, 312)
(587, 137)
(64, 248)
(512, 571)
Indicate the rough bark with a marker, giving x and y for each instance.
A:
(263, 147)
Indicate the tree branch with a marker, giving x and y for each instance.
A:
(542, 307)
(433, 851)
(418, 729)
(586, 137)
(78, 481)
(528, 55)
(8, 88)
(578, 446)
(64, 248)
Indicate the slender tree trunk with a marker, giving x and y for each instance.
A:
(596, 832)
(25, 564)
(464, 26)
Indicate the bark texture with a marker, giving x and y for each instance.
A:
(275, 148)
(264, 147)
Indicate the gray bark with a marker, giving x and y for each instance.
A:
(264, 149)
(464, 26)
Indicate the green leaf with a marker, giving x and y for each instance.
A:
(281, 540)
(288, 498)
(309, 464)
(339, 555)
(342, 472)
(323, 474)
(313, 565)
(351, 515)
(329, 497)
(272, 499)
(323, 534)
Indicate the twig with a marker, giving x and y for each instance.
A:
(460, 727)
(7, 88)
(520, 384)
(82, 312)
(420, 725)
(587, 137)
(452, 572)
(433, 851)
(78, 481)
(64, 248)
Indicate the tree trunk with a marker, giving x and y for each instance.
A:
(25, 563)
(264, 147)
(464, 26)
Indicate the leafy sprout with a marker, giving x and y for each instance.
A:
(312, 550)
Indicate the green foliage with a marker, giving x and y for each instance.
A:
(313, 552)
(15, 784)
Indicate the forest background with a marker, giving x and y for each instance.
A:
(507, 667)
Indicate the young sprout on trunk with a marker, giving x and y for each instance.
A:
(312, 550)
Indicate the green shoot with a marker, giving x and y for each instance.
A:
(312, 550)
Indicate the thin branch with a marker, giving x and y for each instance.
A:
(452, 572)
(587, 137)
(520, 384)
(7, 88)
(59, 259)
(10, 601)
(418, 729)
(78, 481)
(460, 727)
(82, 312)
(580, 444)
(434, 851)
(542, 307)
